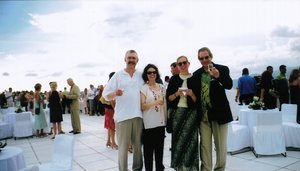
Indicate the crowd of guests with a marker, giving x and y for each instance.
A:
(273, 92)
(192, 106)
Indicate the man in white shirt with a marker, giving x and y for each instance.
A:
(9, 97)
(125, 87)
(91, 96)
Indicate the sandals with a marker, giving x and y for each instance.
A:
(108, 144)
(114, 146)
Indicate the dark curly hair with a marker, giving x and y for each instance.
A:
(144, 75)
(37, 87)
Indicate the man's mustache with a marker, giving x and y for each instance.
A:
(131, 62)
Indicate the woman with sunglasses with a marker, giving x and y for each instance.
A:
(154, 118)
(182, 109)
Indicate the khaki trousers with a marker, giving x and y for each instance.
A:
(130, 132)
(75, 119)
(219, 133)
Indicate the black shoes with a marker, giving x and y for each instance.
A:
(74, 132)
(2, 145)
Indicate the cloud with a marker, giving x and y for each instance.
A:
(31, 75)
(295, 45)
(285, 32)
(56, 74)
(5, 74)
(86, 65)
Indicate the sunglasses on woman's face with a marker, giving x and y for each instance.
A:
(182, 63)
(151, 72)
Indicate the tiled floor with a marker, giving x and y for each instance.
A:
(91, 154)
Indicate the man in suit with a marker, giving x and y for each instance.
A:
(74, 95)
(213, 108)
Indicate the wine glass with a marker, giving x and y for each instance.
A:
(183, 90)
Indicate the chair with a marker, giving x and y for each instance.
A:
(238, 139)
(23, 126)
(268, 137)
(5, 130)
(30, 168)
(291, 128)
(62, 154)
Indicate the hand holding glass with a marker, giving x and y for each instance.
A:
(183, 90)
(119, 92)
(160, 99)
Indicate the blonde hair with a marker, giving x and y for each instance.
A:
(53, 85)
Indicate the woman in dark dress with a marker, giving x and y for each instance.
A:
(266, 84)
(294, 83)
(55, 110)
(185, 121)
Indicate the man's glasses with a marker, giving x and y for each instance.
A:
(205, 57)
(151, 72)
(182, 63)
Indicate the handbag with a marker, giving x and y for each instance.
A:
(37, 110)
(170, 114)
(274, 93)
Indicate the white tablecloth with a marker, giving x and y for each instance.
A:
(10, 118)
(249, 117)
(7, 110)
(11, 159)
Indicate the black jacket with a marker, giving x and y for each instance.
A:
(220, 110)
(174, 83)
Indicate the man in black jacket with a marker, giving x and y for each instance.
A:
(213, 108)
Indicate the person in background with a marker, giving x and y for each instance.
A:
(294, 85)
(214, 110)
(64, 102)
(84, 101)
(185, 122)
(125, 87)
(74, 95)
(174, 68)
(246, 88)
(3, 101)
(40, 118)
(154, 118)
(266, 84)
(55, 110)
(109, 122)
(281, 85)
(30, 98)
(9, 97)
(166, 82)
(98, 104)
(91, 95)
(24, 100)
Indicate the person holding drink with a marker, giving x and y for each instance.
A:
(154, 117)
(213, 108)
(182, 109)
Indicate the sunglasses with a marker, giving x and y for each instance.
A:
(182, 63)
(151, 72)
(205, 57)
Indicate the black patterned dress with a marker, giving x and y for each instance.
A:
(55, 107)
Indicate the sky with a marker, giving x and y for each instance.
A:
(43, 41)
